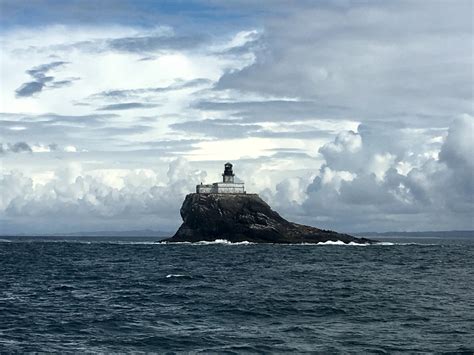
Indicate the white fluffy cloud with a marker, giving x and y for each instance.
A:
(359, 186)
(79, 200)
(362, 187)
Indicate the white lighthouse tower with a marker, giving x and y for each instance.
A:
(227, 186)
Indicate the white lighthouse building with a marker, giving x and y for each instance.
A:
(227, 186)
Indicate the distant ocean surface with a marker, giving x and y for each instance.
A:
(136, 295)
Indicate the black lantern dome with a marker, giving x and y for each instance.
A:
(228, 175)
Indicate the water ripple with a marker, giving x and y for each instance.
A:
(138, 297)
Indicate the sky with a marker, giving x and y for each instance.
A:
(347, 115)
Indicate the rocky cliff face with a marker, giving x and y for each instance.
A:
(244, 217)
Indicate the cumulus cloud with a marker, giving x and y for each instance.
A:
(457, 151)
(134, 198)
(361, 186)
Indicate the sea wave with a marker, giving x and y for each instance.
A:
(214, 242)
(339, 242)
(227, 242)
(239, 299)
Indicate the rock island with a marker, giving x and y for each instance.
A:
(223, 210)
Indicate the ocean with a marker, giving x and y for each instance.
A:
(137, 295)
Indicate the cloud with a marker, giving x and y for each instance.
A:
(61, 129)
(19, 147)
(132, 93)
(217, 128)
(373, 189)
(238, 128)
(153, 43)
(40, 71)
(70, 149)
(362, 186)
(337, 113)
(83, 200)
(374, 61)
(273, 110)
(457, 151)
(23, 147)
(458, 154)
(30, 88)
(148, 43)
(126, 106)
(41, 80)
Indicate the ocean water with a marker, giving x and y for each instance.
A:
(119, 295)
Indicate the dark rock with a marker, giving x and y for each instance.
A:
(245, 217)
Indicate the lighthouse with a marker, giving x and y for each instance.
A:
(228, 176)
(227, 186)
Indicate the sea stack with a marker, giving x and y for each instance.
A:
(223, 210)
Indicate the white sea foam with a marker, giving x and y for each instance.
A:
(222, 241)
(329, 242)
(134, 243)
(335, 242)
(226, 242)
(174, 275)
(213, 242)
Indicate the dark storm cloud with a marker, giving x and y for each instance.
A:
(126, 106)
(41, 80)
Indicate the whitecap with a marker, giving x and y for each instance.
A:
(135, 243)
(340, 242)
(174, 275)
(213, 242)
(385, 243)
(222, 241)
